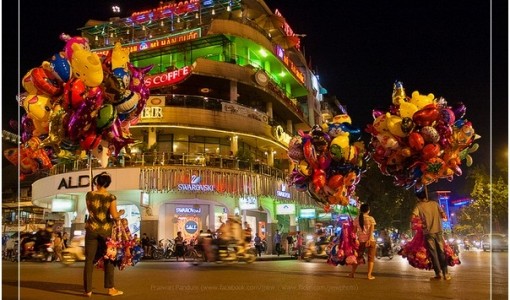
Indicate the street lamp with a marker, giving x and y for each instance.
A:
(116, 9)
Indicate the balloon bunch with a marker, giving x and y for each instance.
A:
(421, 139)
(76, 100)
(416, 252)
(345, 250)
(328, 161)
(120, 247)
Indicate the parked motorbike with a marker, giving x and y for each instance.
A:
(75, 251)
(383, 249)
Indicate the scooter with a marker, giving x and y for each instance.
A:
(383, 249)
(75, 251)
(313, 250)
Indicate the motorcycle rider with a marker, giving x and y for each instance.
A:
(386, 241)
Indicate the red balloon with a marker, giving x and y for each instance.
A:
(74, 94)
(416, 141)
(430, 151)
(335, 181)
(426, 116)
(90, 141)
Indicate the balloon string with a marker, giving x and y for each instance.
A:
(90, 169)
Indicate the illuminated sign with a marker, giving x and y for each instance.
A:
(188, 210)
(285, 209)
(307, 213)
(152, 112)
(248, 202)
(62, 205)
(73, 183)
(195, 185)
(155, 43)
(283, 192)
(191, 227)
(290, 65)
(166, 11)
(281, 136)
(167, 78)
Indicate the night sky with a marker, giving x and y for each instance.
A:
(357, 47)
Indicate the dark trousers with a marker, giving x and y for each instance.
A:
(95, 246)
(259, 249)
(278, 248)
(435, 246)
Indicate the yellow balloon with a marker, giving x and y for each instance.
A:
(304, 168)
(407, 109)
(342, 141)
(86, 66)
(421, 100)
(394, 124)
(120, 56)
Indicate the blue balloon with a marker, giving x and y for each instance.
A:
(61, 66)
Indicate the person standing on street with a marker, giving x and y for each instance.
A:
(102, 208)
(364, 226)
(431, 213)
(258, 244)
(278, 242)
(299, 244)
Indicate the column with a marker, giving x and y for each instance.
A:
(152, 137)
(270, 157)
(234, 144)
(233, 91)
(269, 109)
(290, 128)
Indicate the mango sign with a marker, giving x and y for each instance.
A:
(167, 78)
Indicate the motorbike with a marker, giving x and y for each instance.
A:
(383, 249)
(313, 250)
(75, 251)
(164, 250)
(34, 247)
(232, 251)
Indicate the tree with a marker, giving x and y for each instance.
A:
(390, 205)
(489, 204)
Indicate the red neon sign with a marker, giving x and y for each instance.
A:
(168, 78)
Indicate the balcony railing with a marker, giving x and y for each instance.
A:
(148, 159)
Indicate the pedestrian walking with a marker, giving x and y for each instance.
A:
(431, 213)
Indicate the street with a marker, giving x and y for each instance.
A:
(275, 279)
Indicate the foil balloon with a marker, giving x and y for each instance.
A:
(459, 110)
(426, 116)
(45, 82)
(86, 66)
(74, 94)
(421, 100)
(399, 94)
(60, 66)
(73, 43)
(38, 108)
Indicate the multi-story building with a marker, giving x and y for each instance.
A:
(229, 87)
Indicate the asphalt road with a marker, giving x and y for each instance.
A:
(480, 276)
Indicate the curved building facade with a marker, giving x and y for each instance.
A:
(229, 87)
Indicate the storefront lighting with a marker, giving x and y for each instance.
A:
(229, 8)
(96, 38)
(162, 23)
(178, 20)
(196, 16)
(213, 12)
